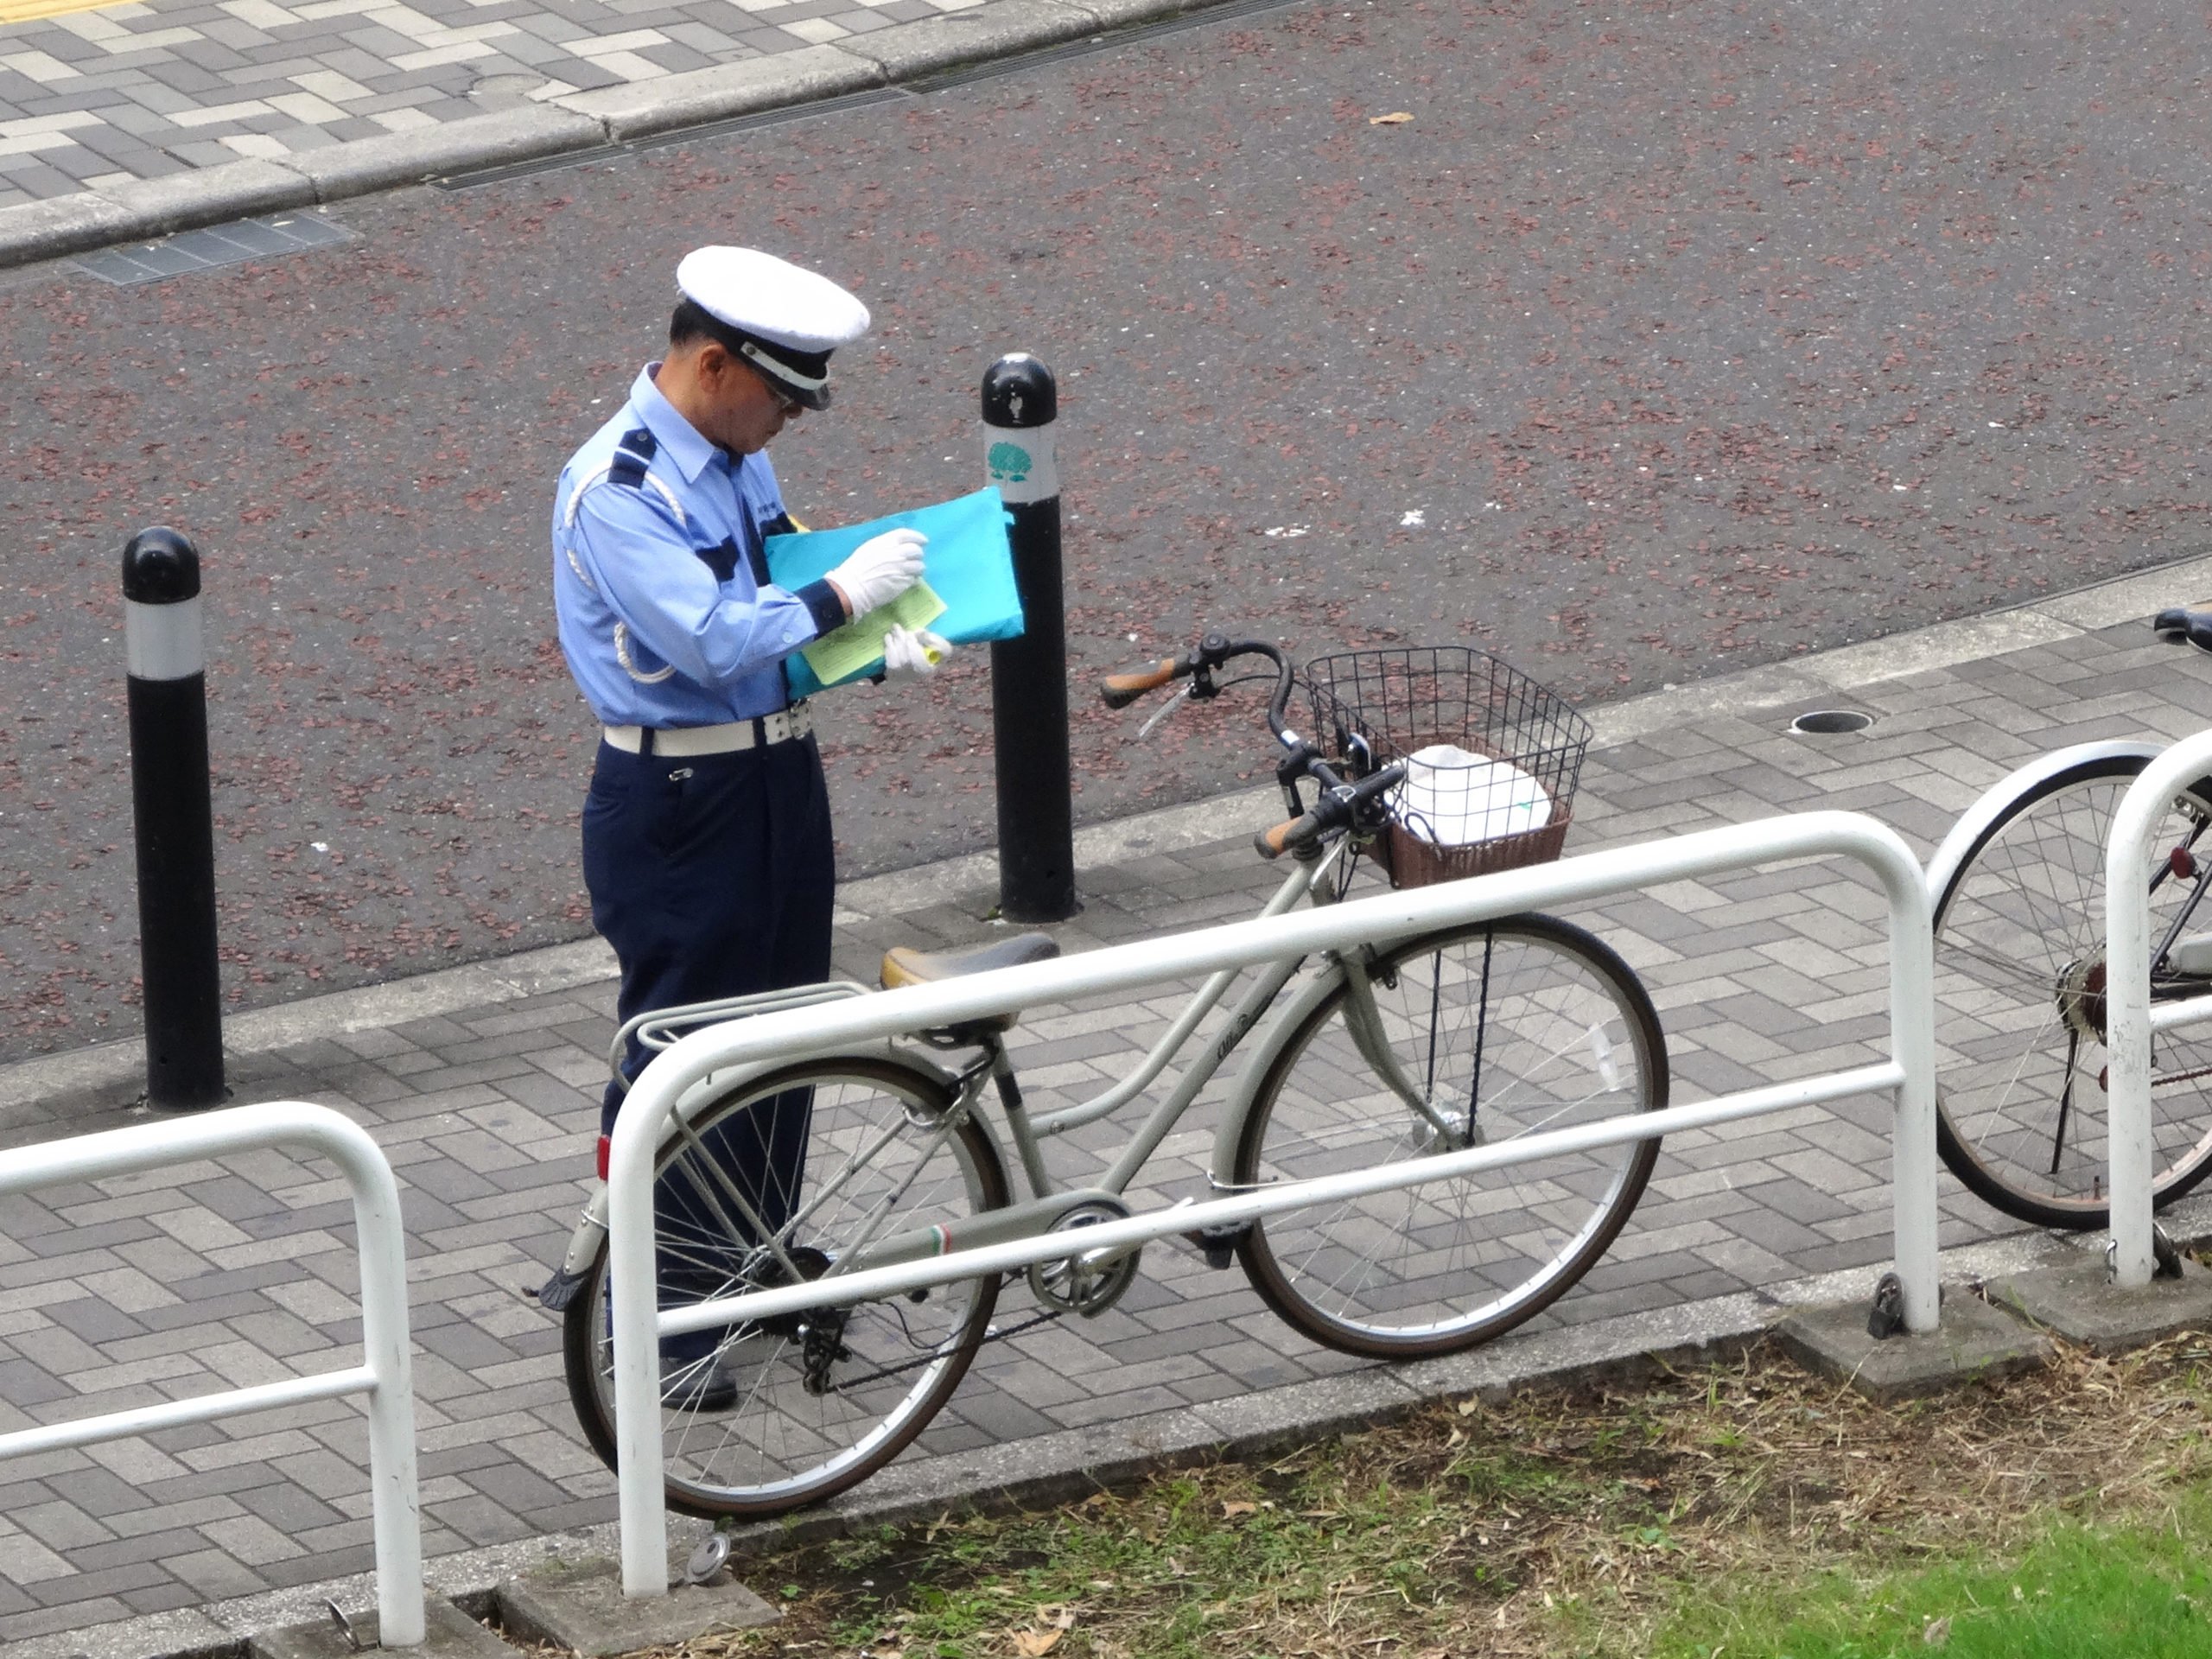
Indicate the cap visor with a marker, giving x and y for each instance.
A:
(804, 397)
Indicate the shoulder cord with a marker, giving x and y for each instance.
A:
(568, 551)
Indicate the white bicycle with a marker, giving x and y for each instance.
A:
(1478, 1034)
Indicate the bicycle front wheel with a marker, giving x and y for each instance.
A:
(792, 1174)
(2021, 1005)
(1505, 1029)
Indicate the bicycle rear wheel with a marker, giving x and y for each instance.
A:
(759, 1419)
(1514, 1027)
(2019, 1006)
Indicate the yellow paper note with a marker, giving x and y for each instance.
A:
(842, 652)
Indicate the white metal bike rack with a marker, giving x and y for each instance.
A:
(2130, 1019)
(384, 1374)
(831, 1027)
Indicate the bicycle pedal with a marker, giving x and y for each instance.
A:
(1218, 1244)
(2166, 1254)
(1886, 1318)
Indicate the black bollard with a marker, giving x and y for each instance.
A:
(1029, 676)
(175, 820)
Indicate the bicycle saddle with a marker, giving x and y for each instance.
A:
(903, 965)
(2183, 626)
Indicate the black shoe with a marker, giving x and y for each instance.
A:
(698, 1387)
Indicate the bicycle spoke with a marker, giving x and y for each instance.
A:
(780, 1412)
(1432, 1267)
(2019, 943)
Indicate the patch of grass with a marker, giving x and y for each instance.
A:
(1746, 1508)
(2078, 1593)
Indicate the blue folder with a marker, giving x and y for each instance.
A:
(969, 562)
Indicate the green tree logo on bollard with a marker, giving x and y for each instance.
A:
(1009, 463)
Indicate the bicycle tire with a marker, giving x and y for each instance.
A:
(785, 1442)
(1541, 1045)
(2020, 951)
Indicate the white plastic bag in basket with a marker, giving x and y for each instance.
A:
(1454, 799)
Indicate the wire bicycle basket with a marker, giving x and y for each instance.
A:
(1493, 757)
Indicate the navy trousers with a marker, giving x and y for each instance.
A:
(713, 876)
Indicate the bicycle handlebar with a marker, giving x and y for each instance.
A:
(1292, 836)
(1120, 690)
(1341, 808)
(1341, 804)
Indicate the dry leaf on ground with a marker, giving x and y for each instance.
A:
(1396, 118)
(1058, 1620)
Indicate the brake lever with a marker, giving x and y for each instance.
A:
(1182, 695)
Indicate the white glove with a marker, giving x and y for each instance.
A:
(880, 570)
(910, 653)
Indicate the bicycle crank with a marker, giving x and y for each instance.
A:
(1091, 1282)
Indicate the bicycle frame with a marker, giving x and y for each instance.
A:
(1313, 881)
(1025, 1218)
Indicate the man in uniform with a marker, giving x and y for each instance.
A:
(706, 833)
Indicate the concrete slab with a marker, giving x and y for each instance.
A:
(1608, 1350)
(1255, 1423)
(580, 1607)
(2080, 1303)
(1974, 1340)
(209, 195)
(726, 89)
(447, 1633)
(63, 225)
(464, 146)
(996, 30)
(1967, 640)
(2128, 599)
(1129, 14)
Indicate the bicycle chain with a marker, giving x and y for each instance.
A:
(989, 1337)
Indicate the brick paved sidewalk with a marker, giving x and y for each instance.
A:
(94, 98)
(128, 1291)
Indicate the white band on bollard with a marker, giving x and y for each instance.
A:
(1019, 459)
(162, 642)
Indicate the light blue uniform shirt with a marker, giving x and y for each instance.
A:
(660, 575)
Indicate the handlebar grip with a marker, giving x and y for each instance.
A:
(1120, 690)
(1287, 836)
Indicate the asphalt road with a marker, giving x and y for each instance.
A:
(1660, 341)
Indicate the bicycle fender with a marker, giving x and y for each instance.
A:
(556, 1293)
(1223, 1166)
(1974, 823)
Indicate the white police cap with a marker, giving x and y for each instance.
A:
(786, 321)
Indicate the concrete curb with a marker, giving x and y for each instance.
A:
(142, 209)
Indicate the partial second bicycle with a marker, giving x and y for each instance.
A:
(2020, 974)
(1432, 763)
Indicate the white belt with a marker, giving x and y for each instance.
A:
(685, 741)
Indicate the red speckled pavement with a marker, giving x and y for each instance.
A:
(1659, 342)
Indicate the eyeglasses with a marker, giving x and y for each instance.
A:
(786, 406)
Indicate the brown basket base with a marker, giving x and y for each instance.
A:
(1413, 862)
